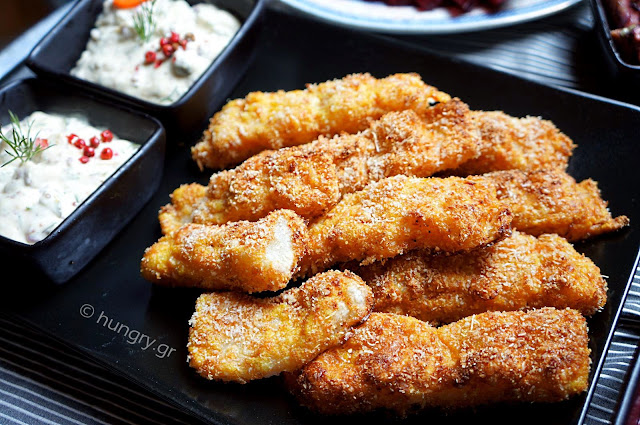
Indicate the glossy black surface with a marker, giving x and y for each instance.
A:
(290, 54)
(625, 72)
(96, 221)
(58, 52)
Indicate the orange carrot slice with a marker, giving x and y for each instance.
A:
(127, 4)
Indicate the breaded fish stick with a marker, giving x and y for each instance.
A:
(528, 143)
(303, 181)
(272, 120)
(311, 178)
(239, 338)
(401, 364)
(247, 256)
(553, 202)
(400, 213)
(517, 272)
(387, 218)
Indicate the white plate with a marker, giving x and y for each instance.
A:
(377, 16)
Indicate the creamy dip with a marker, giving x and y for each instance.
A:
(117, 57)
(37, 195)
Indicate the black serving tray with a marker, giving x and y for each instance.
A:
(140, 331)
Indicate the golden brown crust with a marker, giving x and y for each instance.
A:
(248, 256)
(517, 272)
(272, 120)
(547, 201)
(236, 337)
(404, 143)
(401, 213)
(303, 181)
(179, 211)
(311, 178)
(401, 364)
(528, 143)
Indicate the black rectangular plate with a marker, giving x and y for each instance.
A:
(123, 307)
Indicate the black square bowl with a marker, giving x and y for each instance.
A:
(82, 235)
(57, 53)
(625, 72)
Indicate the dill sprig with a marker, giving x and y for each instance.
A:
(144, 22)
(23, 146)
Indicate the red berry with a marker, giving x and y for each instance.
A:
(168, 50)
(158, 63)
(42, 143)
(106, 136)
(94, 142)
(106, 153)
(164, 41)
(89, 151)
(183, 43)
(84, 159)
(71, 137)
(80, 143)
(149, 57)
(175, 37)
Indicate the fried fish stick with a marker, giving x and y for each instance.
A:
(401, 364)
(400, 213)
(303, 181)
(405, 143)
(184, 200)
(553, 202)
(508, 142)
(247, 256)
(516, 273)
(272, 120)
(311, 178)
(238, 338)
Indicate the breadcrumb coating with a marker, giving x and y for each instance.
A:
(248, 256)
(238, 338)
(519, 272)
(400, 213)
(385, 219)
(303, 181)
(179, 211)
(311, 178)
(552, 201)
(401, 364)
(272, 120)
(507, 142)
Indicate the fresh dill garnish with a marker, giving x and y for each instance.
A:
(23, 146)
(144, 22)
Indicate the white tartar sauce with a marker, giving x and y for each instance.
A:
(117, 57)
(38, 194)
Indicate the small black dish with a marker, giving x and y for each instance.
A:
(627, 73)
(82, 235)
(57, 53)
